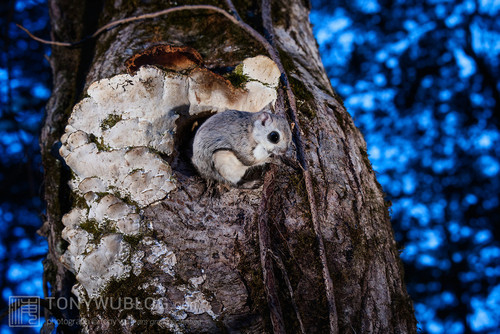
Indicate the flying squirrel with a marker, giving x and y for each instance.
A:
(231, 145)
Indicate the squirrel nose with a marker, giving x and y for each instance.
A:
(278, 151)
(289, 151)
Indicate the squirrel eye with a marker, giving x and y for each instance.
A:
(274, 137)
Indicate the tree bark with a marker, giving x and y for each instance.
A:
(215, 239)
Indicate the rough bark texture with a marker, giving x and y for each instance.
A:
(215, 238)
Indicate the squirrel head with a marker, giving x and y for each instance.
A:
(272, 132)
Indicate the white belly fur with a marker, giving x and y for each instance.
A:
(260, 154)
(229, 166)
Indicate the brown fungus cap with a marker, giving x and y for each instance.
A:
(176, 58)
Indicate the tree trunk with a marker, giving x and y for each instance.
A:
(193, 261)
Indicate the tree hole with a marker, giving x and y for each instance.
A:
(186, 127)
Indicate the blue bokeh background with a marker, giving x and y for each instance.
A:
(420, 79)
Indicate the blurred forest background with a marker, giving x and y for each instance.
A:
(421, 80)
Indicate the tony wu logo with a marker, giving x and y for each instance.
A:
(24, 311)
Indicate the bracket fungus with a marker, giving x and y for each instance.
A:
(115, 143)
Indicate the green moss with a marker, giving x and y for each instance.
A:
(305, 98)
(79, 201)
(343, 120)
(298, 183)
(236, 80)
(92, 226)
(110, 121)
(98, 230)
(306, 240)
(127, 200)
(118, 290)
(300, 90)
(133, 240)
(100, 195)
(364, 156)
(338, 116)
(338, 98)
(99, 143)
(306, 109)
(287, 62)
(236, 77)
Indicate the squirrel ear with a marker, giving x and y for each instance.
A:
(269, 108)
(264, 118)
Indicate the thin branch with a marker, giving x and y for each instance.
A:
(281, 265)
(267, 21)
(332, 308)
(43, 41)
(133, 19)
(266, 263)
(164, 12)
(230, 4)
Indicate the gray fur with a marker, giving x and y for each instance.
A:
(238, 132)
